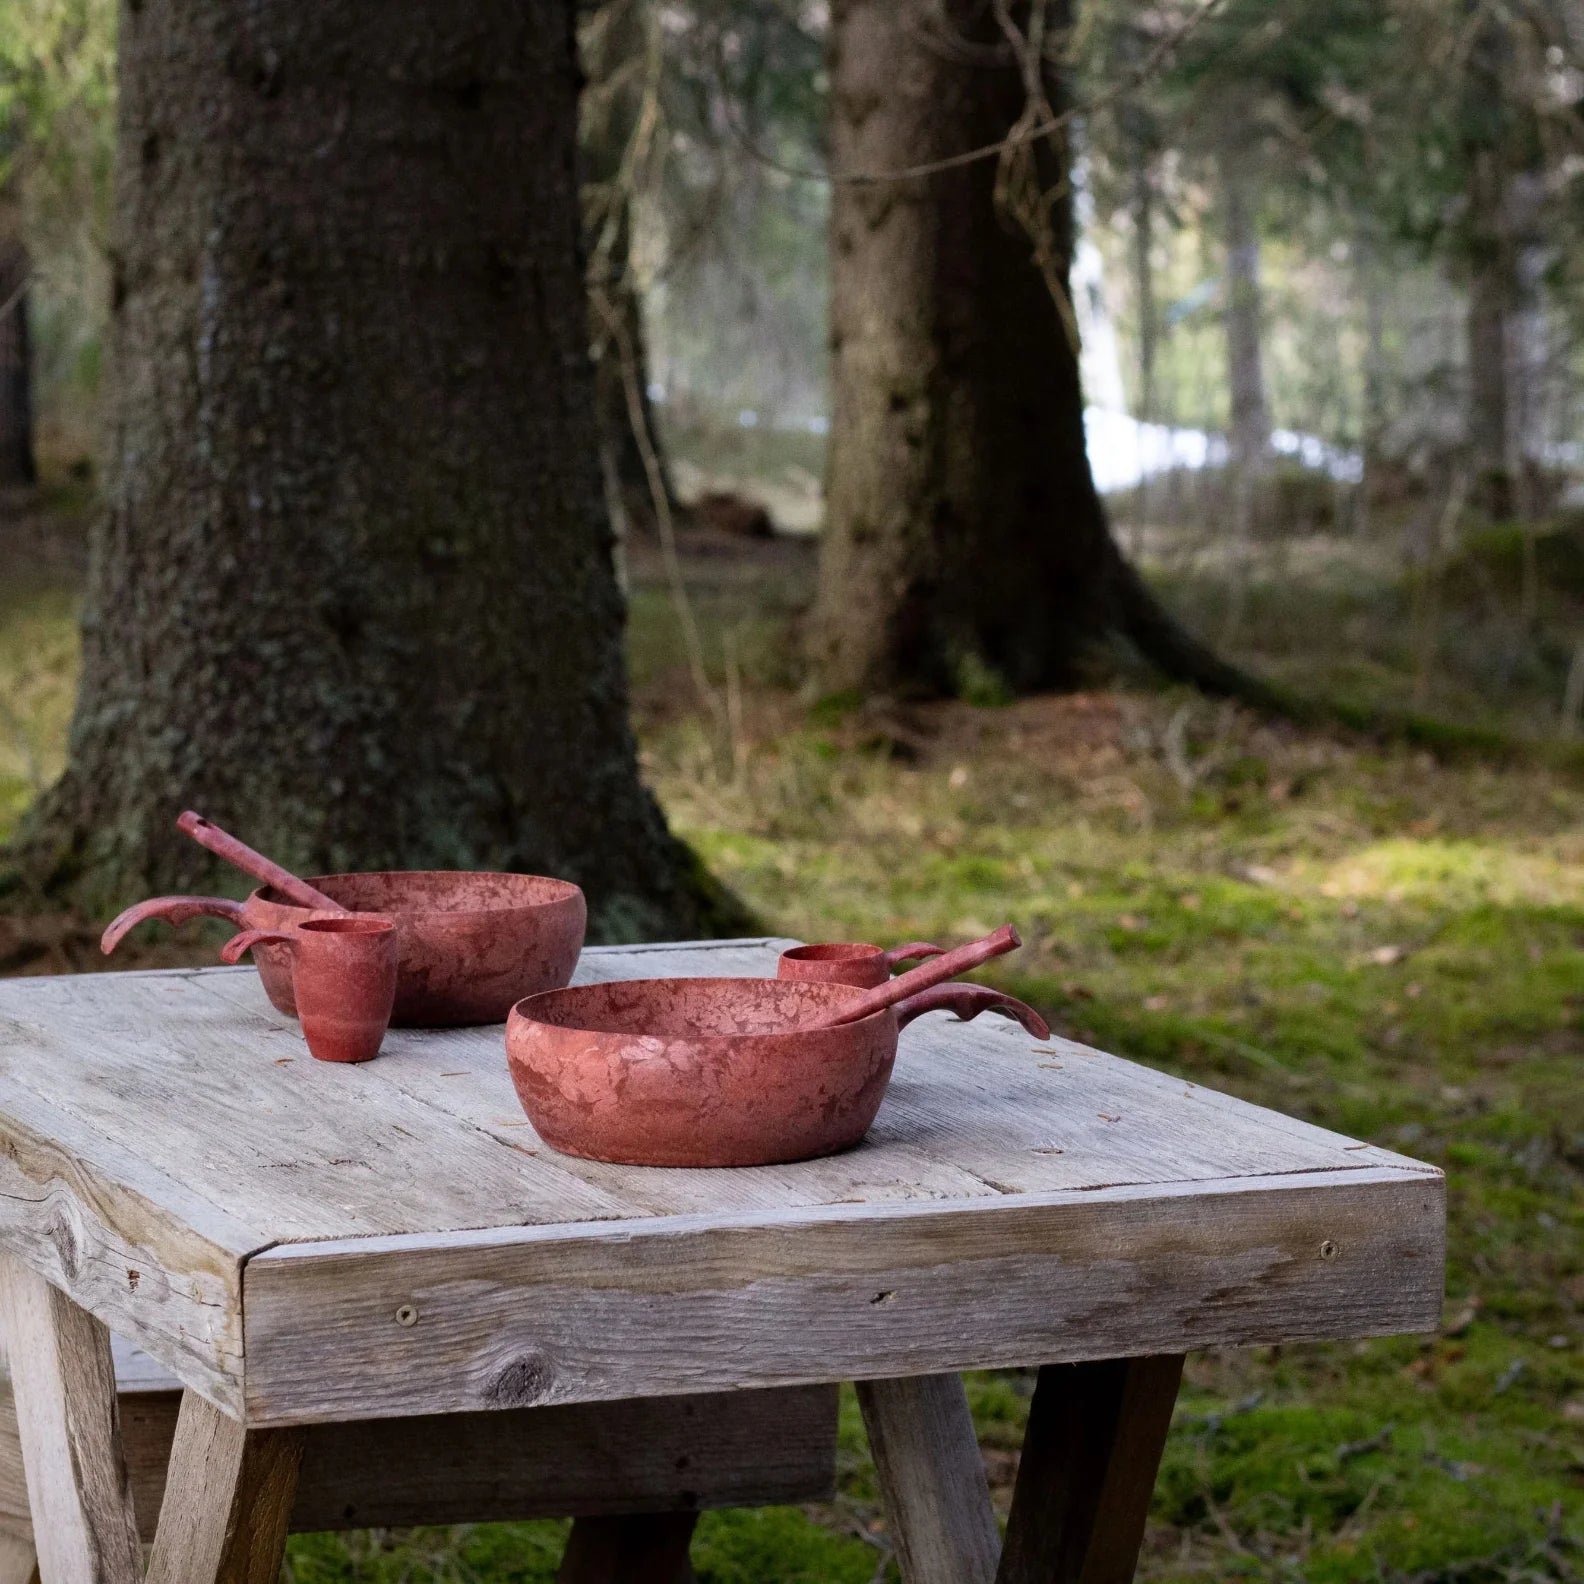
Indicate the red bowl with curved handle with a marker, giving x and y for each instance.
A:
(714, 1072)
(468, 943)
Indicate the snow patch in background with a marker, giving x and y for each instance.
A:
(1123, 452)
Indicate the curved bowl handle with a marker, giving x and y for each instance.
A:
(968, 1001)
(173, 910)
(248, 939)
(902, 954)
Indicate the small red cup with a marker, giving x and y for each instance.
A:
(848, 962)
(343, 979)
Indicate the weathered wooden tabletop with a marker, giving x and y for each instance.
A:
(302, 1242)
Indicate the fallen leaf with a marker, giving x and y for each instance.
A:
(1385, 956)
(1105, 1116)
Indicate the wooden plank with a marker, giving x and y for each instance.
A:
(1090, 1455)
(528, 1316)
(1027, 1115)
(79, 1499)
(469, 1080)
(192, 1075)
(973, 1111)
(932, 1477)
(729, 1449)
(736, 1449)
(237, 1109)
(131, 1245)
(643, 1548)
(228, 1499)
(18, 1559)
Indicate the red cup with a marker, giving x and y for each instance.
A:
(848, 962)
(343, 979)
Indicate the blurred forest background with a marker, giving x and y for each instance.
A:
(1326, 283)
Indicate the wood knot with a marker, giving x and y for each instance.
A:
(522, 1383)
(67, 1238)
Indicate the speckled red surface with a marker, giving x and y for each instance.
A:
(711, 1072)
(468, 944)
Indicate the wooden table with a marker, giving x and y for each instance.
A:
(304, 1245)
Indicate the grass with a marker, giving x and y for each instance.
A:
(1362, 935)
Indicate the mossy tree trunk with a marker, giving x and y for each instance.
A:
(353, 592)
(965, 545)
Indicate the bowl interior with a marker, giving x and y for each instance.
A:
(688, 1007)
(438, 891)
(834, 951)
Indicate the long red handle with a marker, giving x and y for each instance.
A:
(968, 1001)
(173, 910)
(937, 971)
(224, 845)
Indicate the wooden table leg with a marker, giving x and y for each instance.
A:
(18, 1560)
(1090, 1456)
(636, 1548)
(932, 1477)
(63, 1378)
(228, 1497)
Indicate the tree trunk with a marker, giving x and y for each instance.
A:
(615, 48)
(1143, 206)
(1376, 418)
(965, 543)
(1245, 362)
(1489, 304)
(17, 465)
(353, 592)
(963, 535)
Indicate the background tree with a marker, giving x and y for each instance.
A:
(621, 141)
(353, 591)
(965, 545)
(17, 464)
(57, 65)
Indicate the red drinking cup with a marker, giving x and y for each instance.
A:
(848, 962)
(343, 979)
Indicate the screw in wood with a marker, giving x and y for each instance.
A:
(1328, 1250)
(407, 1315)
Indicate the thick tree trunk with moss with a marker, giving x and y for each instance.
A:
(353, 593)
(965, 545)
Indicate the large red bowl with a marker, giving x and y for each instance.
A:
(469, 943)
(713, 1072)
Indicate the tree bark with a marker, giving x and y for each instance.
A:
(353, 593)
(17, 463)
(1491, 292)
(615, 47)
(964, 542)
(1143, 258)
(1245, 359)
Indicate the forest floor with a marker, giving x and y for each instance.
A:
(1385, 942)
